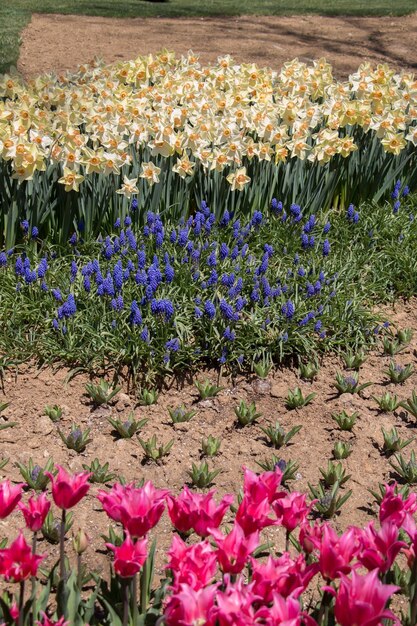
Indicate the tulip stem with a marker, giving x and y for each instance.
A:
(79, 572)
(125, 601)
(34, 542)
(413, 599)
(324, 608)
(287, 540)
(62, 569)
(21, 602)
(134, 598)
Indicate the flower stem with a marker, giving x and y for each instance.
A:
(62, 569)
(134, 597)
(126, 584)
(413, 599)
(324, 608)
(79, 572)
(21, 602)
(287, 540)
(33, 579)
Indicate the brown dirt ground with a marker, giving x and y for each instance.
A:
(36, 436)
(62, 42)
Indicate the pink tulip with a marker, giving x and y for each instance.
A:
(310, 536)
(17, 562)
(378, 549)
(35, 512)
(138, 509)
(189, 607)
(197, 511)
(254, 515)
(291, 510)
(235, 605)
(9, 497)
(396, 509)
(283, 576)
(285, 611)
(257, 487)
(411, 550)
(68, 490)
(46, 621)
(336, 553)
(128, 557)
(361, 600)
(194, 565)
(112, 500)
(180, 510)
(233, 550)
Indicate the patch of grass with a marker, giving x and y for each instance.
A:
(15, 14)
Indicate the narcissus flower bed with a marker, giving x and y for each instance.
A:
(73, 147)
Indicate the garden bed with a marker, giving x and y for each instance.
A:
(265, 40)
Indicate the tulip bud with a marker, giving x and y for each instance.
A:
(80, 541)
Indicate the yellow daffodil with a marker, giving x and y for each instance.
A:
(184, 167)
(238, 179)
(71, 179)
(150, 172)
(394, 143)
(128, 188)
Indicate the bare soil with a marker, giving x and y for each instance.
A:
(36, 437)
(62, 42)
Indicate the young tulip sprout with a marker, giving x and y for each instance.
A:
(262, 369)
(342, 450)
(128, 427)
(387, 403)
(289, 469)
(309, 370)
(353, 360)
(34, 475)
(410, 405)
(406, 469)
(53, 412)
(154, 451)
(392, 440)
(328, 502)
(349, 384)
(344, 420)
(398, 374)
(101, 393)
(246, 413)
(201, 476)
(207, 390)
(335, 473)
(392, 346)
(148, 396)
(404, 336)
(77, 439)
(99, 473)
(180, 414)
(277, 437)
(295, 399)
(211, 446)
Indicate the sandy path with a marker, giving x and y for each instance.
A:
(60, 42)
